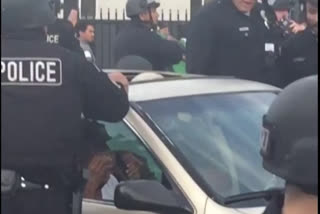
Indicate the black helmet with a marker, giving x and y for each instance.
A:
(133, 62)
(136, 7)
(290, 135)
(283, 5)
(26, 14)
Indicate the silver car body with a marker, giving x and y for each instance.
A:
(196, 197)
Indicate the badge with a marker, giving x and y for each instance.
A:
(243, 29)
(269, 47)
(299, 59)
(87, 54)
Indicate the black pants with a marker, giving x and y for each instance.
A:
(38, 202)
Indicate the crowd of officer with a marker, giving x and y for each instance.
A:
(274, 44)
(254, 41)
(48, 92)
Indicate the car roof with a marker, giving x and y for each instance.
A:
(179, 85)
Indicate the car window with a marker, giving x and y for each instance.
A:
(124, 140)
(123, 157)
(217, 138)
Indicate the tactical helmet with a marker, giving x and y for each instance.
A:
(290, 135)
(133, 62)
(283, 5)
(136, 7)
(26, 14)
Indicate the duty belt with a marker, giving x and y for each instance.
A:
(11, 182)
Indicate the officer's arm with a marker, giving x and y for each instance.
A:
(169, 52)
(103, 100)
(68, 39)
(200, 46)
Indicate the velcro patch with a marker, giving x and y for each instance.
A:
(31, 72)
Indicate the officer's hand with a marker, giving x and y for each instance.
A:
(100, 168)
(171, 38)
(73, 17)
(164, 31)
(119, 78)
(296, 27)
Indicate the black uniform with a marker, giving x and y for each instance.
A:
(43, 94)
(299, 57)
(62, 33)
(224, 41)
(275, 206)
(137, 39)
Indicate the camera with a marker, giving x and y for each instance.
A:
(285, 25)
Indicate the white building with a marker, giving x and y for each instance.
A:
(118, 6)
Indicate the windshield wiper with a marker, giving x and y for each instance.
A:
(267, 194)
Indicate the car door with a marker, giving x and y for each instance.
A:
(100, 207)
(123, 139)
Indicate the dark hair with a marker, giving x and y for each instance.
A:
(82, 26)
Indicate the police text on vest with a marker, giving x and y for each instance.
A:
(31, 71)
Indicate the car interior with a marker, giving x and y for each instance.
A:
(117, 141)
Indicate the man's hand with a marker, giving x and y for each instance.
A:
(165, 31)
(100, 169)
(134, 165)
(296, 27)
(119, 78)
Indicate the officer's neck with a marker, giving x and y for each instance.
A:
(300, 204)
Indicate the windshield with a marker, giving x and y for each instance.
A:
(218, 137)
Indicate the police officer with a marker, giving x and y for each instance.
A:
(231, 37)
(290, 147)
(299, 54)
(44, 91)
(62, 32)
(141, 39)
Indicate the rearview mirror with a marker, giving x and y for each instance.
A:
(149, 196)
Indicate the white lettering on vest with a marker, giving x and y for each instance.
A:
(31, 72)
(54, 39)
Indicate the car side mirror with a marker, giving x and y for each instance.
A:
(143, 195)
